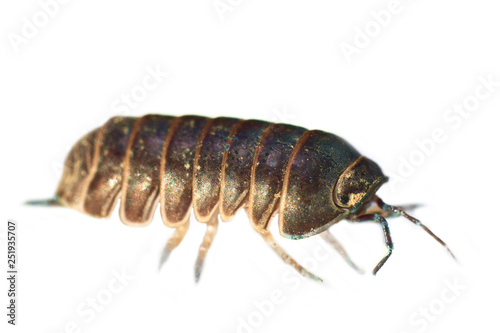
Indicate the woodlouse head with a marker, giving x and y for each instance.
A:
(326, 180)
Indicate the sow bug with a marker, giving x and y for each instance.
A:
(310, 178)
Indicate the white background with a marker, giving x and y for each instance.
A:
(276, 61)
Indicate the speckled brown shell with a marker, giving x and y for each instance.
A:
(216, 166)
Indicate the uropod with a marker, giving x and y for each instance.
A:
(310, 178)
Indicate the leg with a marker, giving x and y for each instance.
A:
(332, 241)
(268, 237)
(205, 246)
(173, 242)
(387, 235)
(398, 211)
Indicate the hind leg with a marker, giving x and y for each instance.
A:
(173, 242)
(205, 245)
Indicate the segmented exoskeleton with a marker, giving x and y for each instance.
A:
(312, 179)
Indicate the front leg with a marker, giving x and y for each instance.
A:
(387, 234)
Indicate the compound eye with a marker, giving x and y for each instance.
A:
(350, 190)
(359, 181)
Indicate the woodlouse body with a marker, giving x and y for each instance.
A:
(311, 178)
(213, 165)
